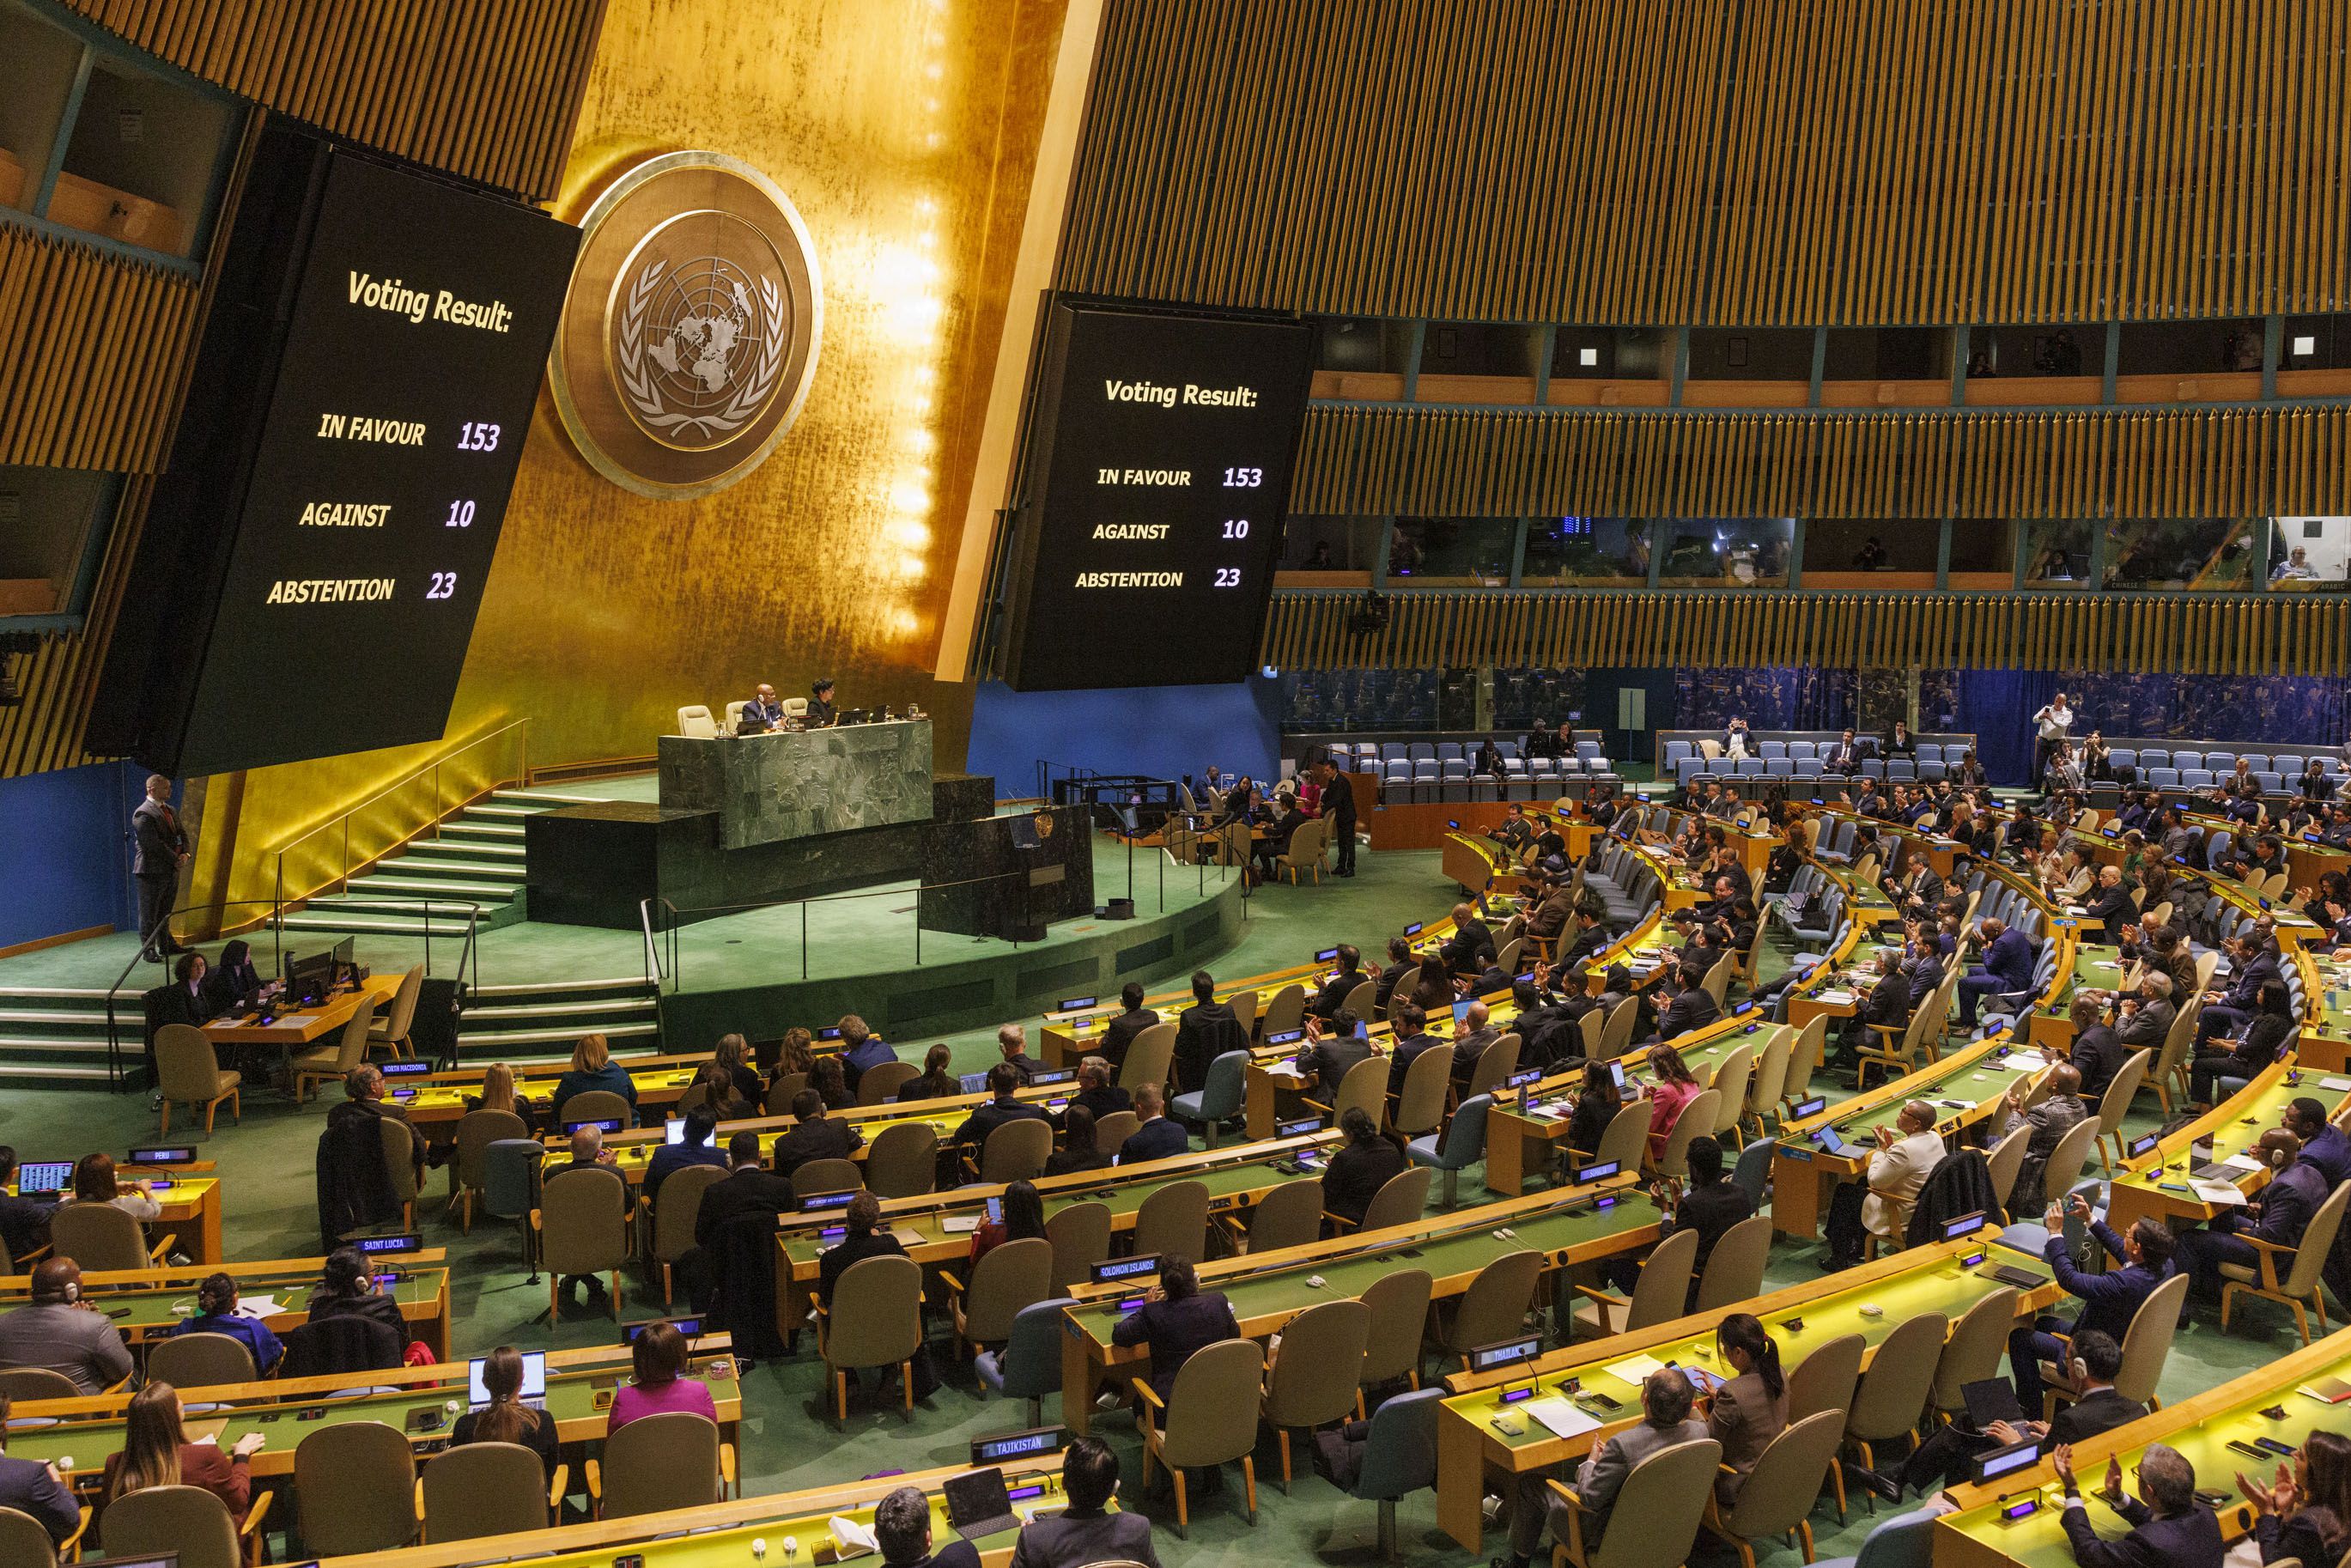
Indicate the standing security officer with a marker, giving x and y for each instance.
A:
(159, 848)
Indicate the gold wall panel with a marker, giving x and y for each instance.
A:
(91, 347)
(485, 89)
(1863, 161)
(904, 132)
(2291, 635)
(2232, 462)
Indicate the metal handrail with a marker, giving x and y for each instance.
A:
(440, 807)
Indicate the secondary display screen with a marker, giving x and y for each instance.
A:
(1158, 475)
(405, 371)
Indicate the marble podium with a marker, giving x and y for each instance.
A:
(765, 789)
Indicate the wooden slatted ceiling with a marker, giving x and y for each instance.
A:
(1792, 162)
(483, 89)
(2278, 635)
(90, 346)
(1470, 462)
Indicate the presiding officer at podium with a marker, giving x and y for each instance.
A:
(820, 711)
(762, 713)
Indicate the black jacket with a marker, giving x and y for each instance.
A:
(1356, 1174)
(995, 1113)
(1710, 1211)
(2190, 1541)
(2097, 1055)
(2097, 1413)
(1330, 1059)
(1959, 1184)
(1120, 1032)
(1202, 1033)
(1174, 1331)
(354, 1184)
(1339, 801)
(751, 1190)
(1693, 1010)
(822, 1138)
(835, 1261)
(1402, 1055)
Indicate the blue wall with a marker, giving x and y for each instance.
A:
(1162, 732)
(65, 862)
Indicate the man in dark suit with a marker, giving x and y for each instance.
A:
(1156, 1138)
(860, 1049)
(1711, 1206)
(1012, 1044)
(1691, 1007)
(2169, 1530)
(1332, 1052)
(1085, 1532)
(2278, 1219)
(1844, 756)
(2097, 1053)
(1471, 946)
(865, 1237)
(1336, 989)
(1475, 1035)
(158, 848)
(2232, 1011)
(2109, 1299)
(747, 1188)
(761, 713)
(1120, 1032)
(1943, 1459)
(813, 1135)
(34, 1487)
(1204, 1032)
(1339, 807)
(1411, 1038)
(2007, 966)
(1549, 908)
(1002, 1082)
(1175, 1320)
(1096, 1093)
(1887, 1004)
(2110, 902)
(902, 1529)
(1364, 1164)
(1287, 820)
(1590, 938)
(2146, 1020)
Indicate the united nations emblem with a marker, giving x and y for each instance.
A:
(690, 334)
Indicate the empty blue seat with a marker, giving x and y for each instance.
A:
(1448, 751)
(2196, 779)
(1507, 748)
(1872, 768)
(1587, 749)
(2270, 783)
(1424, 771)
(1932, 770)
(1748, 765)
(2291, 766)
(1686, 768)
(1779, 768)
(1766, 749)
(1802, 749)
(2123, 757)
(1421, 751)
(1454, 767)
(1807, 766)
(1394, 751)
(1929, 751)
(2164, 778)
(1675, 751)
(1901, 770)
(2218, 761)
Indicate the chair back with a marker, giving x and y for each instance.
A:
(1013, 1276)
(2006, 1163)
(594, 1105)
(158, 1520)
(2318, 1244)
(485, 1489)
(186, 1068)
(28, 1385)
(903, 1160)
(1174, 1222)
(1732, 1081)
(1664, 1283)
(1399, 1305)
(1617, 1032)
(1400, 1453)
(1496, 1303)
(1016, 1150)
(1700, 1116)
(511, 1169)
(778, 1100)
(201, 1360)
(2146, 1343)
(677, 1208)
(398, 1140)
(1587, 1029)
(402, 1012)
(25, 1541)
(2119, 1093)
(1316, 1384)
(671, 1461)
(1112, 1131)
(1626, 1136)
(1464, 1142)
(879, 1084)
(1407, 981)
(1825, 1379)
(1359, 1000)
(584, 1221)
(2177, 1041)
(1402, 1199)
(1287, 1011)
(1780, 1492)
(1893, 1392)
(1365, 1087)
(1655, 1521)
(1812, 1041)
(1972, 1353)
(1222, 1091)
(1716, 982)
(476, 1131)
(876, 1317)
(1734, 1270)
(97, 1236)
(1212, 1410)
(1771, 1080)
(1289, 1215)
(693, 720)
(1495, 1064)
(1081, 1237)
(1031, 1364)
(1148, 1056)
(357, 1485)
(2066, 1160)
(350, 1050)
(827, 1176)
(1421, 1106)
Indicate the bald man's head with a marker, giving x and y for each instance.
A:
(1916, 1116)
(57, 1280)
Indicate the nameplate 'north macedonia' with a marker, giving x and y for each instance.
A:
(689, 336)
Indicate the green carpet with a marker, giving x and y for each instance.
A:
(268, 1164)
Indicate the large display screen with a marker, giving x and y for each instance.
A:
(338, 523)
(1158, 472)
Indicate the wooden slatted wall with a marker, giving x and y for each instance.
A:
(1436, 628)
(485, 89)
(90, 346)
(1469, 463)
(1676, 161)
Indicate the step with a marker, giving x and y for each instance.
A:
(605, 1008)
(511, 1037)
(399, 883)
(561, 987)
(482, 829)
(549, 797)
(435, 863)
(73, 993)
(45, 1015)
(509, 813)
(360, 924)
(35, 1074)
(483, 850)
(11, 1044)
(369, 904)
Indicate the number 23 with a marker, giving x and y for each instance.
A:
(445, 585)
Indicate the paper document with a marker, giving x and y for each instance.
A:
(1564, 1419)
(856, 1539)
(1835, 999)
(2336, 1084)
(2217, 1192)
(959, 1224)
(2242, 1163)
(258, 1307)
(1635, 1368)
(2025, 1062)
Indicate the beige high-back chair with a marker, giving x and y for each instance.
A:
(188, 1073)
(2115, 1104)
(391, 1030)
(672, 1214)
(25, 1543)
(1804, 1056)
(1211, 1417)
(1654, 1522)
(1770, 1076)
(356, 1486)
(1825, 1379)
(1285, 1012)
(1625, 1139)
(1016, 1150)
(1657, 1294)
(189, 1521)
(903, 1160)
(1734, 1270)
(1148, 1056)
(1174, 1222)
(1365, 1087)
(693, 721)
(201, 1360)
(330, 1063)
(1973, 1351)
(879, 1084)
(1289, 1215)
(1402, 1199)
(489, 1488)
(100, 1237)
(582, 1226)
(1702, 1114)
(1894, 1391)
(1010, 1276)
(1495, 1304)
(2300, 1282)
(827, 1176)
(1421, 1107)
(469, 1173)
(675, 1460)
(1079, 1233)
(1317, 1383)
(1778, 1492)
(594, 1105)
(1732, 1079)
(1398, 1303)
(399, 1142)
(875, 1320)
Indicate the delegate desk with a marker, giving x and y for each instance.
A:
(2157, 1183)
(580, 1385)
(793, 1529)
(798, 784)
(1966, 1087)
(2325, 1043)
(147, 1303)
(288, 1032)
(2014, 1521)
(1574, 1225)
(936, 1228)
(435, 1100)
(190, 1197)
(1900, 1286)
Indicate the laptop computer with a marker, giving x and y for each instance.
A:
(534, 1381)
(1830, 1139)
(41, 1177)
(1990, 1400)
(978, 1504)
